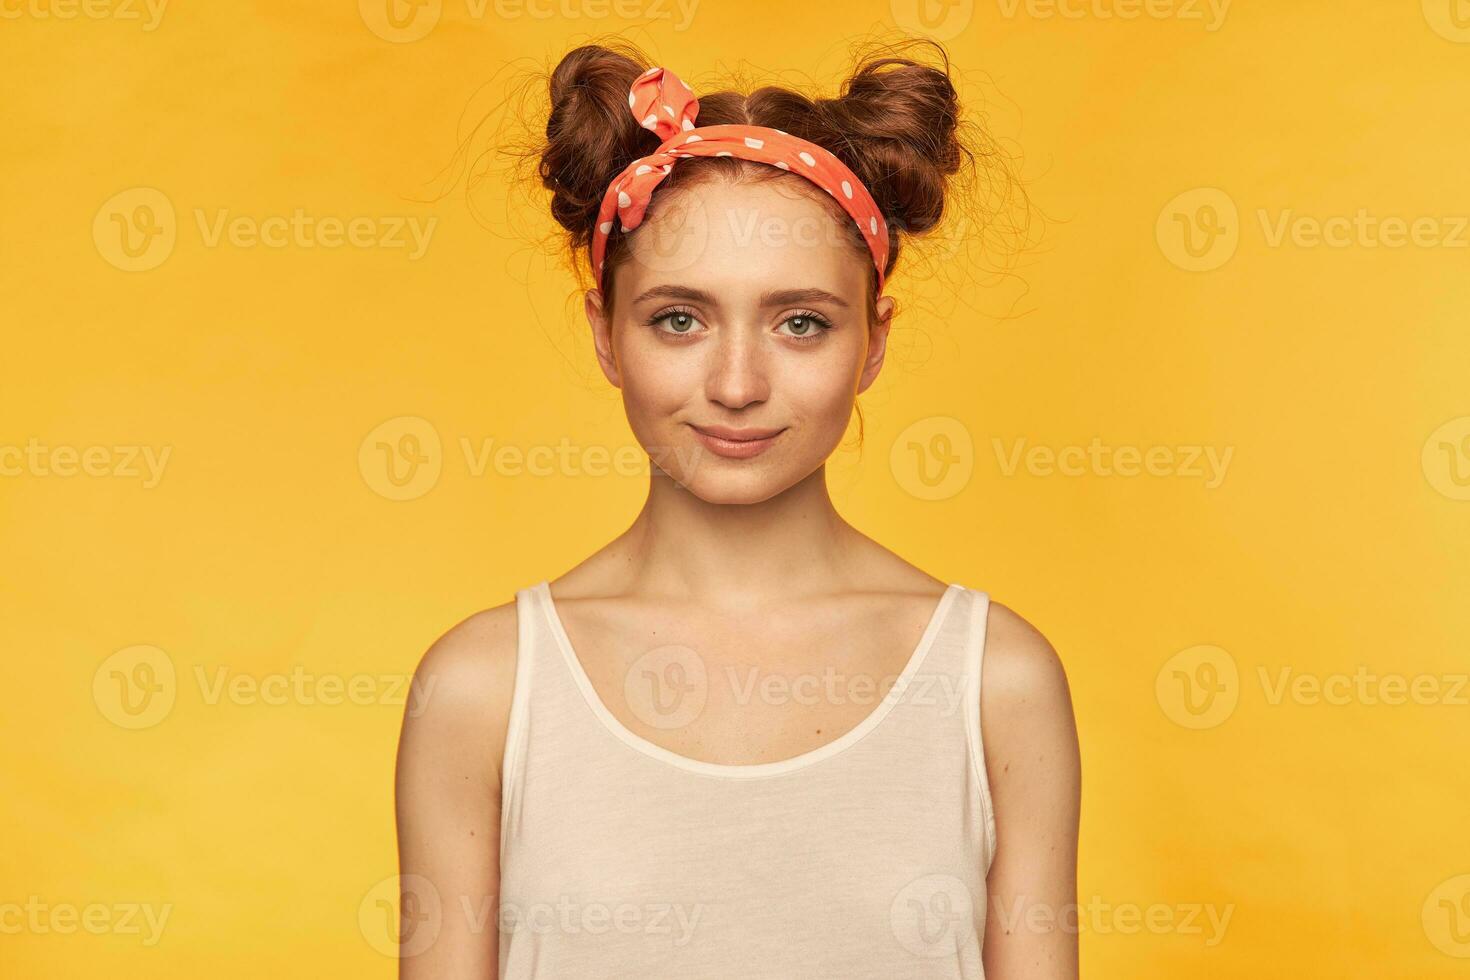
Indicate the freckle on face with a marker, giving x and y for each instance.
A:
(744, 369)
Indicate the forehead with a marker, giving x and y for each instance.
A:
(748, 236)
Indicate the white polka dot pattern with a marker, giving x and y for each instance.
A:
(629, 193)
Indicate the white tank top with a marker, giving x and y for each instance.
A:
(863, 858)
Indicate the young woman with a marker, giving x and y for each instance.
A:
(742, 739)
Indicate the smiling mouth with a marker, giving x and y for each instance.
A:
(736, 443)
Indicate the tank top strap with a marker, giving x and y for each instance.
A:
(940, 676)
(939, 704)
(977, 618)
(534, 670)
(945, 658)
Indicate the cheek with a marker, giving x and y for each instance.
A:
(820, 390)
(821, 394)
(655, 381)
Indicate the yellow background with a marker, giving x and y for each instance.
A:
(1334, 834)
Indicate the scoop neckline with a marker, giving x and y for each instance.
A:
(743, 770)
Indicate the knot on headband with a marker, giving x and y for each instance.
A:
(664, 104)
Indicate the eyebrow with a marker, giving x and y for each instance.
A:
(775, 297)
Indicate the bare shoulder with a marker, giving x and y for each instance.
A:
(1022, 670)
(459, 702)
(1034, 772)
(474, 658)
(1027, 723)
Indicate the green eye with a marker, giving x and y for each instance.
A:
(806, 326)
(681, 322)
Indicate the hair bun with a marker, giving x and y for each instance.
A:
(896, 123)
(898, 120)
(590, 134)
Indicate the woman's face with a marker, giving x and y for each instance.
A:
(741, 313)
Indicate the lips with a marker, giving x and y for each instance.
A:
(735, 435)
(722, 440)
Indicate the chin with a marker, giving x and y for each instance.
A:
(722, 481)
(712, 489)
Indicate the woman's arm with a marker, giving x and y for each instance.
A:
(1033, 764)
(448, 801)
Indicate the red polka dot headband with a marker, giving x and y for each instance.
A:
(663, 103)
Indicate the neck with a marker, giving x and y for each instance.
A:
(682, 545)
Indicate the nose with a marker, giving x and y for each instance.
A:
(738, 372)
